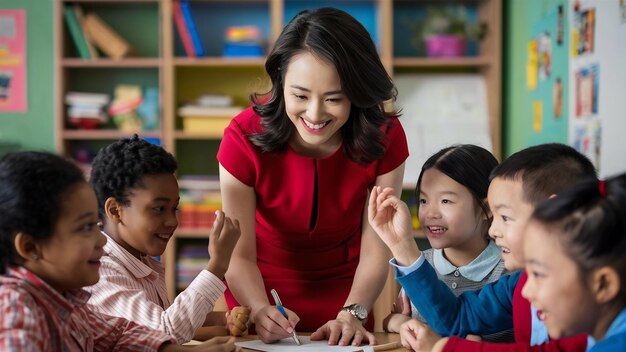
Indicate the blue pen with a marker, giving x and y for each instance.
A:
(281, 309)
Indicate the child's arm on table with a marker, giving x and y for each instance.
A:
(400, 314)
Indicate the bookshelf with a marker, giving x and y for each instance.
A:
(160, 61)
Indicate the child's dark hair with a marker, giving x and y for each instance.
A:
(545, 169)
(32, 187)
(364, 80)
(467, 164)
(590, 217)
(122, 165)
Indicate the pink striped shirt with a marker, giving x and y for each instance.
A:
(135, 289)
(36, 317)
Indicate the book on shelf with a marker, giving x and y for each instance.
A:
(76, 31)
(78, 11)
(84, 98)
(183, 29)
(199, 182)
(209, 111)
(105, 38)
(191, 25)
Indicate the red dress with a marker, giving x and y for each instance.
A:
(310, 265)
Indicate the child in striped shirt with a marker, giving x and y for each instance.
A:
(138, 199)
(50, 247)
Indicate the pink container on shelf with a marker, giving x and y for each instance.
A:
(445, 46)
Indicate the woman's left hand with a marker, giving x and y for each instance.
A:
(343, 331)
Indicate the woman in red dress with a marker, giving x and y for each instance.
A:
(295, 170)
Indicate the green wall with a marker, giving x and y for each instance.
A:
(35, 128)
(522, 21)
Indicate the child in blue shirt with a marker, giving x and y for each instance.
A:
(574, 248)
(452, 197)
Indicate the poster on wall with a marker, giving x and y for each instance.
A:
(12, 61)
(585, 122)
(586, 93)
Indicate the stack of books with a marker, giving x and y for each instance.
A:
(199, 199)
(192, 259)
(86, 110)
(209, 114)
(243, 41)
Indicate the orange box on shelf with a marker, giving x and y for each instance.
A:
(205, 215)
(188, 216)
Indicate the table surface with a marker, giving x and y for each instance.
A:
(382, 338)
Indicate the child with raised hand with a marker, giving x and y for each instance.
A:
(452, 198)
(517, 185)
(50, 248)
(138, 198)
(574, 249)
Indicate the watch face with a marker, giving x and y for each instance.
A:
(359, 311)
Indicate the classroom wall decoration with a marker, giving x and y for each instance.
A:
(597, 75)
(12, 61)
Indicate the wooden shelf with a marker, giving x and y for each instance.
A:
(399, 62)
(111, 1)
(192, 136)
(218, 61)
(192, 232)
(123, 63)
(105, 134)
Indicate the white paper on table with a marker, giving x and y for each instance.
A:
(439, 110)
(288, 344)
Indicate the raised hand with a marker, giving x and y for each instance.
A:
(391, 219)
(222, 240)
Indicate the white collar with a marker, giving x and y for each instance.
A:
(477, 270)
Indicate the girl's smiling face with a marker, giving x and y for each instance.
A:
(70, 258)
(448, 212)
(316, 105)
(556, 286)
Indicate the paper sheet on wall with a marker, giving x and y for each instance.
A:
(307, 345)
(439, 110)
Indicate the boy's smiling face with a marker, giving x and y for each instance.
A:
(511, 213)
(148, 223)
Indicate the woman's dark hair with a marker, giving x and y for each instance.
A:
(590, 218)
(122, 165)
(467, 164)
(32, 187)
(337, 37)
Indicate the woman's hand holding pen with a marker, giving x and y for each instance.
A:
(272, 326)
(391, 219)
(343, 331)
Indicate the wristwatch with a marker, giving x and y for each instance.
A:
(357, 311)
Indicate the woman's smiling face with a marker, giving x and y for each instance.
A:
(315, 104)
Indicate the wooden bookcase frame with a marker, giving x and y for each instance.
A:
(488, 64)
